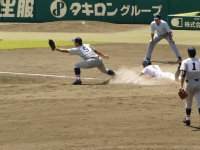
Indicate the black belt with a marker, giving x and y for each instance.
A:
(94, 57)
(194, 80)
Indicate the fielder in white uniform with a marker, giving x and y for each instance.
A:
(191, 75)
(162, 32)
(155, 71)
(91, 59)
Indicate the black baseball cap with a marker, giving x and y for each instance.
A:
(191, 51)
(78, 40)
(156, 16)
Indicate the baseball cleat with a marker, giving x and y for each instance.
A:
(187, 122)
(77, 82)
(111, 73)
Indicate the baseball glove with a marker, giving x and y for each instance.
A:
(182, 94)
(52, 44)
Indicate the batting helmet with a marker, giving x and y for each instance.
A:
(191, 52)
(146, 63)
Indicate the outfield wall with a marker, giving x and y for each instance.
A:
(116, 11)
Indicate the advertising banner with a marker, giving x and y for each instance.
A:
(184, 22)
(17, 10)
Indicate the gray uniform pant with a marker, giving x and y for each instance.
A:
(92, 63)
(158, 39)
(193, 90)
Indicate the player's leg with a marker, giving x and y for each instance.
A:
(188, 106)
(168, 75)
(103, 69)
(85, 64)
(77, 71)
(174, 47)
(152, 45)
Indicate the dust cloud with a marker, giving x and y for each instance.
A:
(130, 76)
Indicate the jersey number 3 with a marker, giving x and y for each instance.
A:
(194, 67)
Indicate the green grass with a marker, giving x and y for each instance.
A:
(12, 44)
(15, 40)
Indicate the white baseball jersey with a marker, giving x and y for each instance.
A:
(156, 72)
(152, 70)
(161, 29)
(192, 68)
(85, 51)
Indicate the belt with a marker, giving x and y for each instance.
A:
(193, 80)
(94, 57)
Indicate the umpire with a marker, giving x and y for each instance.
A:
(162, 32)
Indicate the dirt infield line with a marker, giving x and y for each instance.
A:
(45, 75)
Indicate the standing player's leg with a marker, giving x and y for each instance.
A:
(77, 72)
(174, 47)
(152, 45)
(85, 64)
(188, 100)
(103, 69)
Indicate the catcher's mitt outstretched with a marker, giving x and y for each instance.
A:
(52, 44)
(182, 93)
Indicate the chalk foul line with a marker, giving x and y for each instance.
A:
(45, 75)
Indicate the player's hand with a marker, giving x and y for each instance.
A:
(106, 57)
(151, 41)
(172, 41)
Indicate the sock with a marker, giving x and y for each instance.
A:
(78, 77)
(188, 113)
(77, 72)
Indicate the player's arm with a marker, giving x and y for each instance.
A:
(62, 50)
(169, 32)
(183, 69)
(152, 36)
(141, 74)
(183, 74)
(178, 71)
(101, 54)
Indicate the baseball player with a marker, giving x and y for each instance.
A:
(190, 69)
(156, 72)
(91, 59)
(162, 32)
